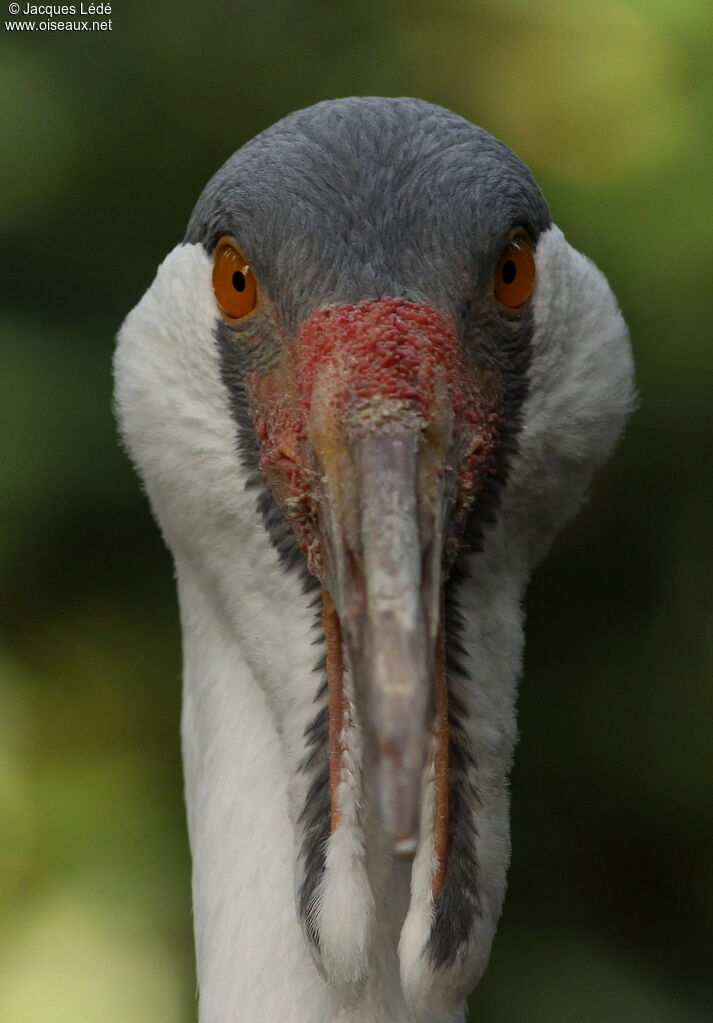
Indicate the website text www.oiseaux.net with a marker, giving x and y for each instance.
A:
(59, 17)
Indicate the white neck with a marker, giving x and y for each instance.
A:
(253, 962)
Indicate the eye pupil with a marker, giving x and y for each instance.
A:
(239, 280)
(509, 272)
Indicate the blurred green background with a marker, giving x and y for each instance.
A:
(107, 139)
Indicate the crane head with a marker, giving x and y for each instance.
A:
(420, 376)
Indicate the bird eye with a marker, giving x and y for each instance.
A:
(233, 281)
(515, 273)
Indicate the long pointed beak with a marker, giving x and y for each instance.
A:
(381, 431)
(386, 587)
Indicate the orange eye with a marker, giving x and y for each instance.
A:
(515, 273)
(233, 281)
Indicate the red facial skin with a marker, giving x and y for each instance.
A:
(353, 367)
(390, 348)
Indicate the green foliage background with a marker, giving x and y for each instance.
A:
(107, 139)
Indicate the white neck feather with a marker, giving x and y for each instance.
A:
(253, 962)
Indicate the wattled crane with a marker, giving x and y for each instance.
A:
(363, 394)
